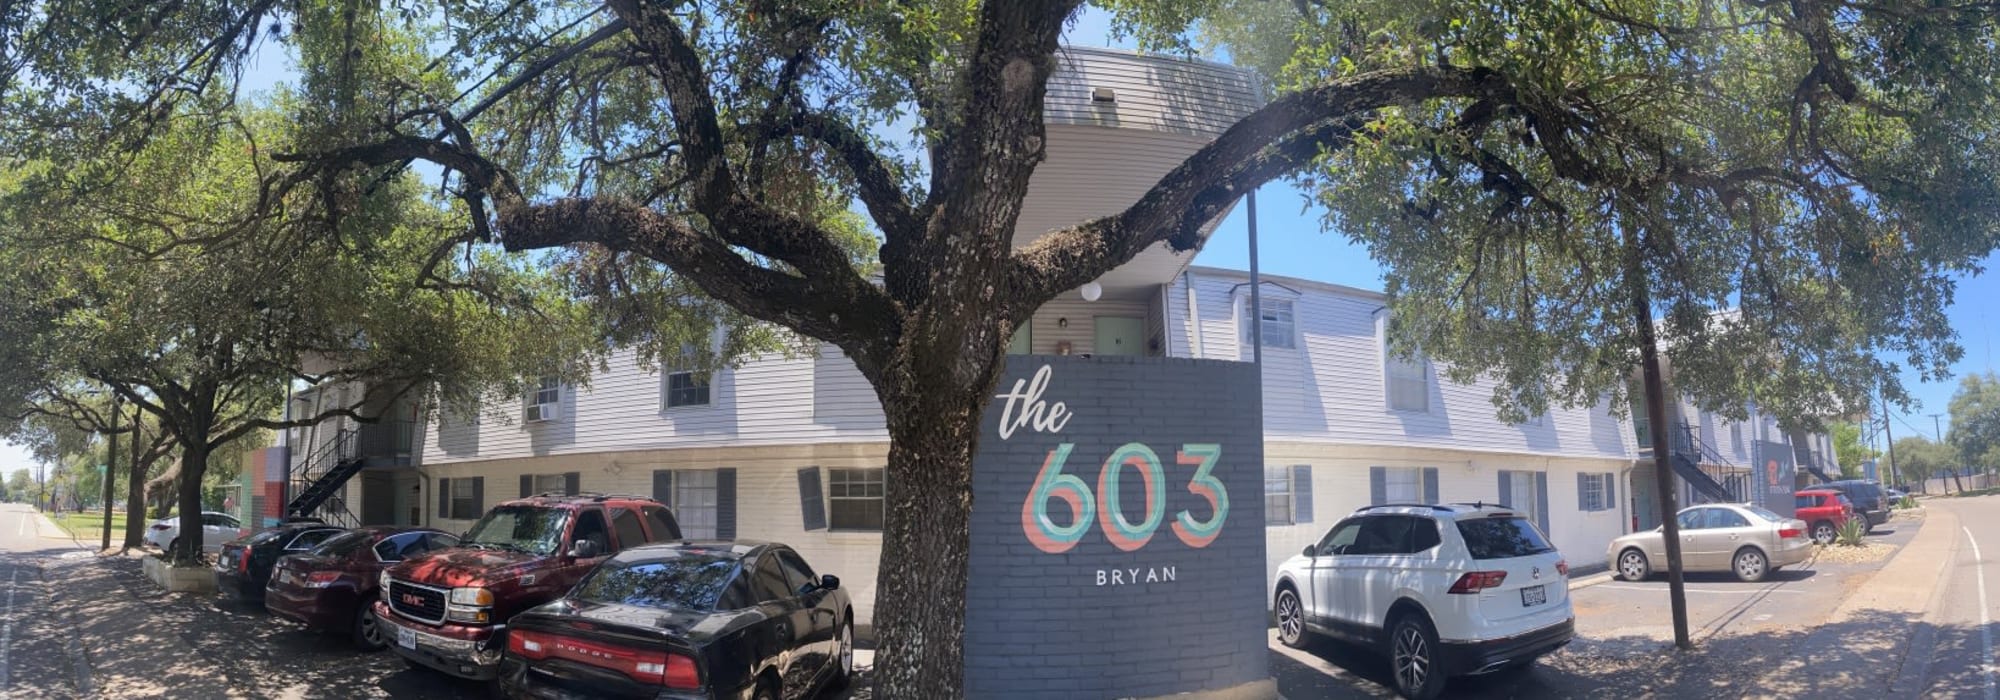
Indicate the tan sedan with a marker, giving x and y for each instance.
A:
(1743, 539)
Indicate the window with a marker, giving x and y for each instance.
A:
(854, 499)
(542, 401)
(768, 583)
(1724, 517)
(400, 547)
(1383, 534)
(1409, 385)
(1501, 538)
(1277, 496)
(1694, 519)
(590, 528)
(1340, 538)
(1277, 325)
(464, 500)
(686, 389)
(694, 503)
(690, 581)
(1594, 492)
(311, 538)
(661, 523)
(630, 534)
(1405, 485)
(1523, 496)
(548, 483)
(797, 574)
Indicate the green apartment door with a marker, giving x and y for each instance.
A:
(1119, 335)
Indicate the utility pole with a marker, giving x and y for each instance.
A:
(1939, 432)
(1889, 437)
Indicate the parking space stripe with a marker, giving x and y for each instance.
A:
(1691, 589)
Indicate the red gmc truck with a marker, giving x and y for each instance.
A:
(448, 609)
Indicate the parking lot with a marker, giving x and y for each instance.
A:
(1625, 635)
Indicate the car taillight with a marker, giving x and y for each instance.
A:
(160, 526)
(321, 579)
(1787, 533)
(1562, 567)
(1477, 581)
(243, 562)
(644, 665)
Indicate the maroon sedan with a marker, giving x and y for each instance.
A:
(332, 586)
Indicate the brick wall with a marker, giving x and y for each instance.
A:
(1053, 613)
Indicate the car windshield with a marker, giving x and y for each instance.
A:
(264, 536)
(342, 544)
(519, 528)
(688, 582)
(1761, 512)
(1502, 538)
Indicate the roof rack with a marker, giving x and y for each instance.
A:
(1433, 506)
(1482, 504)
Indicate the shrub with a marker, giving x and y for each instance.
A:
(1851, 532)
(1907, 501)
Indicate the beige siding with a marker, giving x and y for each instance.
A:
(1331, 386)
(1158, 93)
(1069, 317)
(1340, 484)
(767, 496)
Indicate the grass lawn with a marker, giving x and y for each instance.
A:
(89, 525)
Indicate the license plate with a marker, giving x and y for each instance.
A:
(1534, 595)
(406, 638)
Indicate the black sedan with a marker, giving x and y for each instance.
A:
(688, 620)
(244, 565)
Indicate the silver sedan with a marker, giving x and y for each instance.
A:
(1743, 539)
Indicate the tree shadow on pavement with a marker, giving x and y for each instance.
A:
(1860, 657)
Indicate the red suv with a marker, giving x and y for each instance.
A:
(447, 609)
(1824, 511)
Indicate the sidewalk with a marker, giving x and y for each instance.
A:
(132, 645)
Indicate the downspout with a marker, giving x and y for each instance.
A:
(1194, 316)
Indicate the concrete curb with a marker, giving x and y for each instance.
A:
(1588, 581)
(1914, 668)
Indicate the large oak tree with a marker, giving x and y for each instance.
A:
(1550, 174)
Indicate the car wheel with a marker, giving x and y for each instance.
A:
(1291, 619)
(764, 692)
(1751, 566)
(1632, 565)
(1824, 533)
(172, 547)
(367, 632)
(843, 660)
(1413, 649)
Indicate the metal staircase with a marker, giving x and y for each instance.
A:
(1688, 453)
(321, 477)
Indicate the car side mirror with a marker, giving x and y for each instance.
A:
(829, 582)
(1312, 550)
(584, 549)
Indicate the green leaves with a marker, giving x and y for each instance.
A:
(1975, 420)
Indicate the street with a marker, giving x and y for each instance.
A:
(1960, 629)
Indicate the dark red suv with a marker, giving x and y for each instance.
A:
(447, 609)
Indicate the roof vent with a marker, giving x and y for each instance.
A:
(1103, 94)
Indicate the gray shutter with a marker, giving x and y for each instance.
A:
(1610, 498)
(527, 485)
(812, 504)
(572, 483)
(1542, 500)
(725, 504)
(1431, 485)
(1506, 488)
(663, 487)
(1378, 487)
(1302, 493)
(478, 496)
(444, 499)
(1581, 481)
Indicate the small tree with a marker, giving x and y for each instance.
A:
(1847, 446)
(1975, 421)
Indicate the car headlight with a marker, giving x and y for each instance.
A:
(467, 613)
(382, 585)
(471, 596)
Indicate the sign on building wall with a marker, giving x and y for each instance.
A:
(1775, 477)
(1118, 530)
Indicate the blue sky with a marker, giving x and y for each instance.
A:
(1292, 243)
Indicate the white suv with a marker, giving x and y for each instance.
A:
(1444, 590)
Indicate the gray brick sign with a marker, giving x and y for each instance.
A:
(1161, 589)
(1773, 477)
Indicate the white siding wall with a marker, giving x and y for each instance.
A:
(1331, 386)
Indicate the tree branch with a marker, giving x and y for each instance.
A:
(873, 178)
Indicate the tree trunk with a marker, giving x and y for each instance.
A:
(135, 490)
(1656, 416)
(933, 417)
(194, 463)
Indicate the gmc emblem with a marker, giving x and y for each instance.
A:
(413, 600)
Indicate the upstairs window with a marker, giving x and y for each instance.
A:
(686, 389)
(1277, 325)
(543, 402)
(1409, 385)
